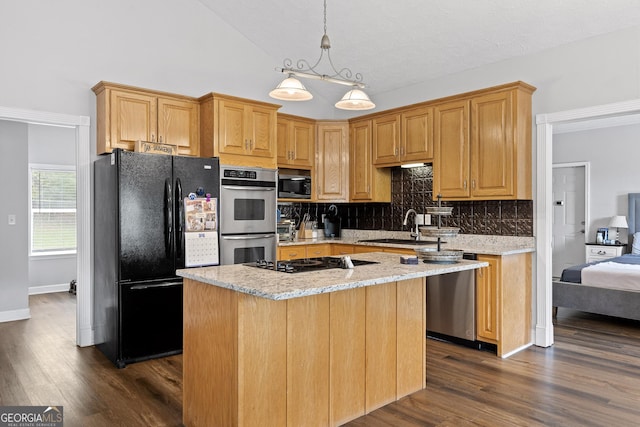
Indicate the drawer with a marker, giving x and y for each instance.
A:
(291, 252)
(315, 251)
(603, 251)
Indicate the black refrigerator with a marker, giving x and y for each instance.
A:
(139, 244)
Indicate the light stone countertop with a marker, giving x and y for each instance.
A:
(279, 286)
(472, 243)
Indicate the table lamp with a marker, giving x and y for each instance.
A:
(618, 221)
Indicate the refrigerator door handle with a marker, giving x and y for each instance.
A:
(161, 285)
(168, 217)
(180, 217)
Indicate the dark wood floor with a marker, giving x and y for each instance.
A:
(590, 377)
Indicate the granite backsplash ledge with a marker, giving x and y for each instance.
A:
(413, 189)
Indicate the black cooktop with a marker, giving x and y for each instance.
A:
(306, 264)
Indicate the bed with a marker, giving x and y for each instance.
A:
(610, 287)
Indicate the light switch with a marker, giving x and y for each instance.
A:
(12, 219)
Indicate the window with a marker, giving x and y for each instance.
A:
(53, 209)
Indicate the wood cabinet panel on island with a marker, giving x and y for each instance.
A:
(296, 141)
(126, 114)
(367, 183)
(250, 360)
(483, 145)
(239, 131)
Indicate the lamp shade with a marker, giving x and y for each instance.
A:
(355, 99)
(618, 221)
(291, 89)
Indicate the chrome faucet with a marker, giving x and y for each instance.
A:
(416, 232)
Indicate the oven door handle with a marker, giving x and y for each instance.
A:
(240, 187)
(249, 237)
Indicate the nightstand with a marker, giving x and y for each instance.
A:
(597, 252)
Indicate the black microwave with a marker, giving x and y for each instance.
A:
(294, 187)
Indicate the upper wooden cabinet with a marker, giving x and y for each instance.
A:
(127, 114)
(332, 161)
(296, 141)
(403, 137)
(483, 145)
(367, 183)
(386, 139)
(451, 167)
(241, 132)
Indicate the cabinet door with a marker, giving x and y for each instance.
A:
(386, 140)
(282, 141)
(492, 150)
(133, 117)
(178, 124)
(488, 298)
(261, 132)
(451, 165)
(231, 127)
(361, 167)
(332, 173)
(302, 144)
(417, 135)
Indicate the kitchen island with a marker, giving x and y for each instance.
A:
(320, 348)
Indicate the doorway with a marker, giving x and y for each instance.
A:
(570, 197)
(84, 334)
(603, 115)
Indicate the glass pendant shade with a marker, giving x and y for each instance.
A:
(355, 99)
(291, 89)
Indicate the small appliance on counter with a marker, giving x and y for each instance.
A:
(286, 230)
(332, 222)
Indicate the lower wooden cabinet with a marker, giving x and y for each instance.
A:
(503, 302)
(304, 251)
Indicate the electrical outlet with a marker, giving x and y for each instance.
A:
(12, 219)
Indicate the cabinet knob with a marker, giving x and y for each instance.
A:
(464, 184)
(160, 139)
(395, 152)
(153, 137)
(473, 184)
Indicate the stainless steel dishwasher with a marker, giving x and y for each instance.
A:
(451, 304)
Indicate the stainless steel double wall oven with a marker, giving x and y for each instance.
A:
(248, 202)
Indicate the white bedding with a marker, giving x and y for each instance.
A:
(612, 275)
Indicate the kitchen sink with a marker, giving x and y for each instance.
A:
(401, 241)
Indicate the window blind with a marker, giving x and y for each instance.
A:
(53, 210)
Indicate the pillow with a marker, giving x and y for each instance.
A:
(635, 247)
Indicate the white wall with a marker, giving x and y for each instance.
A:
(51, 145)
(614, 154)
(14, 300)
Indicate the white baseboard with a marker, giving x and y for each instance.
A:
(48, 289)
(11, 315)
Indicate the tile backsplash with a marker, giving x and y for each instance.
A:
(413, 189)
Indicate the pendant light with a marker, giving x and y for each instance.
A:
(291, 89)
(355, 99)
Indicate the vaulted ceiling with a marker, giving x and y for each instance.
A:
(396, 44)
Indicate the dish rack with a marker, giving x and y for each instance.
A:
(439, 256)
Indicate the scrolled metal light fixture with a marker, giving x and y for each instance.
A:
(291, 89)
